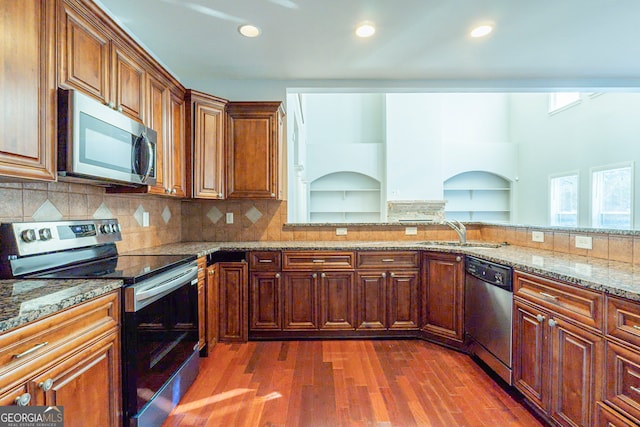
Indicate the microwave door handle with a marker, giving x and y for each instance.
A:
(149, 145)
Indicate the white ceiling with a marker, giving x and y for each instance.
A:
(415, 39)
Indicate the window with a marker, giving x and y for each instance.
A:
(612, 197)
(564, 200)
(560, 100)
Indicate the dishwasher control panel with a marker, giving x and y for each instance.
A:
(495, 274)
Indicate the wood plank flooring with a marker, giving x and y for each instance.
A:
(344, 383)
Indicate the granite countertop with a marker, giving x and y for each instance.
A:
(617, 278)
(23, 301)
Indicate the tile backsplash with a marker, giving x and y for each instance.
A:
(59, 201)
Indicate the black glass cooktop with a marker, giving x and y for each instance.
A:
(129, 268)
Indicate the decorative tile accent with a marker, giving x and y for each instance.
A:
(138, 214)
(253, 214)
(214, 214)
(103, 212)
(166, 215)
(47, 212)
(416, 210)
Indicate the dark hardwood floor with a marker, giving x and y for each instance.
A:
(344, 383)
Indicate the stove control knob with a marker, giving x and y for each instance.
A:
(116, 228)
(105, 228)
(28, 235)
(45, 234)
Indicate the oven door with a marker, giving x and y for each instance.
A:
(160, 335)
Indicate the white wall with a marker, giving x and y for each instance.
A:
(599, 131)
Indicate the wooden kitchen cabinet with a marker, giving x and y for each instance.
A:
(300, 300)
(212, 310)
(28, 87)
(607, 417)
(443, 297)
(387, 290)
(202, 303)
(253, 150)
(336, 300)
(232, 301)
(265, 291)
(557, 360)
(205, 126)
(175, 155)
(71, 358)
(91, 59)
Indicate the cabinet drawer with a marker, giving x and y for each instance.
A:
(56, 335)
(623, 320)
(607, 417)
(622, 382)
(317, 260)
(265, 261)
(394, 259)
(574, 302)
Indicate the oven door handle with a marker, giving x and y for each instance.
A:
(168, 285)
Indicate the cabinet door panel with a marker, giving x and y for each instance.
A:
(531, 354)
(212, 314)
(371, 308)
(129, 84)
(576, 373)
(208, 151)
(300, 300)
(622, 383)
(84, 55)
(403, 300)
(336, 301)
(27, 85)
(157, 118)
(86, 384)
(265, 301)
(178, 163)
(443, 296)
(232, 284)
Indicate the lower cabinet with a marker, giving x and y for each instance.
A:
(69, 359)
(232, 301)
(202, 303)
(557, 361)
(212, 310)
(300, 300)
(607, 417)
(265, 290)
(443, 297)
(336, 300)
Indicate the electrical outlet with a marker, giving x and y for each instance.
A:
(537, 236)
(341, 231)
(411, 231)
(145, 219)
(229, 217)
(584, 242)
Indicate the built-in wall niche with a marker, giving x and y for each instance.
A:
(344, 197)
(478, 196)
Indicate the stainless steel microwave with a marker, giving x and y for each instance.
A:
(99, 145)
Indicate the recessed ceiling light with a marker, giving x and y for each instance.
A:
(249, 30)
(365, 30)
(481, 31)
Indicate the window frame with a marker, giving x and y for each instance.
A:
(613, 166)
(575, 173)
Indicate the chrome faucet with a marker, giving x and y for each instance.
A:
(459, 228)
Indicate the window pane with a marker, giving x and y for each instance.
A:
(612, 198)
(564, 200)
(558, 100)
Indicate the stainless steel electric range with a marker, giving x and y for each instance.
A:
(160, 303)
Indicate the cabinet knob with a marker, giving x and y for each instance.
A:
(277, 275)
(120, 108)
(211, 272)
(46, 385)
(273, 194)
(540, 318)
(23, 399)
(314, 275)
(552, 323)
(173, 191)
(393, 274)
(384, 275)
(112, 105)
(167, 191)
(458, 258)
(323, 275)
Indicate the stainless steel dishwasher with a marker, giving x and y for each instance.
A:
(489, 314)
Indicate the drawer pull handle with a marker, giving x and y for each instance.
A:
(636, 326)
(31, 350)
(388, 260)
(636, 389)
(46, 385)
(23, 399)
(546, 295)
(318, 260)
(265, 261)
